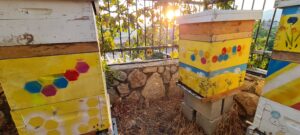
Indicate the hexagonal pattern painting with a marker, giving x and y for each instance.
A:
(44, 80)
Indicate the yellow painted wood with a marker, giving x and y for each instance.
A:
(208, 87)
(283, 85)
(64, 118)
(207, 51)
(16, 73)
(288, 35)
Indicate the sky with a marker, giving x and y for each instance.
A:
(257, 5)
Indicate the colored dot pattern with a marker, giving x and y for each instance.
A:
(60, 82)
(82, 67)
(93, 122)
(193, 57)
(51, 124)
(33, 87)
(71, 75)
(36, 122)
(49, 91)
(224, 55)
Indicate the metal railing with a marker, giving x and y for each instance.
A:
(158, 34)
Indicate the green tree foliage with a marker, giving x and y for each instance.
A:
(130, 16)
(261, 60)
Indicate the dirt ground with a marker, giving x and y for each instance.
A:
(161, 117)
(7, 126)
(164, 117)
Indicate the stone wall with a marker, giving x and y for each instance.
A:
(143, 81)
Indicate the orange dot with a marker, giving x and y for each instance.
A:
(240, 53)
(184, 55)
(229, 50)
(36, 122)
(195, 51)
(92, 102)
(206, 54)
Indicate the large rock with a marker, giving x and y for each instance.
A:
(113, 95)
(154, 88)
(114, 83)
(161, 69)
(150, 69)
(123, 89)
(248, 102)
(167, 75)
(174, 90)
(120, 75)
(137, 79)
(173, 69)
(134, 96)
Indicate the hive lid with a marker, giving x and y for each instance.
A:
(286, 3)
(220, 15)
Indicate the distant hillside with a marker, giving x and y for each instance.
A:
(268, 14)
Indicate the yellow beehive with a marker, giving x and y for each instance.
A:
(287, 41)
(50, 67)
(214, 48)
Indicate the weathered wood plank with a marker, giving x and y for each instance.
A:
(216, 28)
(219, 15)
(286, 56)
(46, 22)
(215, 38)
(27, 51)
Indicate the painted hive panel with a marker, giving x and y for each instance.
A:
(214, 56)
(45, 22)
(283, 83)
(64, 118)
(216, 28)
(30, 82)
(288, 34)
(276, 119)
(213, 68)
(212, 83)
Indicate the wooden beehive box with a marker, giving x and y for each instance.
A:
(214, 48)
(287, 41)
(283, 78)
(50, 68)
(278, 108)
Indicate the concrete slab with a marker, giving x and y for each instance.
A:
(188, 112)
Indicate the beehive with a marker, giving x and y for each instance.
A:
(214, 48)
(287, 41)
(283, 78)
(283, 83)
(278, 108)
(50, 69)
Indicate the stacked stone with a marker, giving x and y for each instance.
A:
(214, 47)
(144, 81)
(278, 111)
(50, 67)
